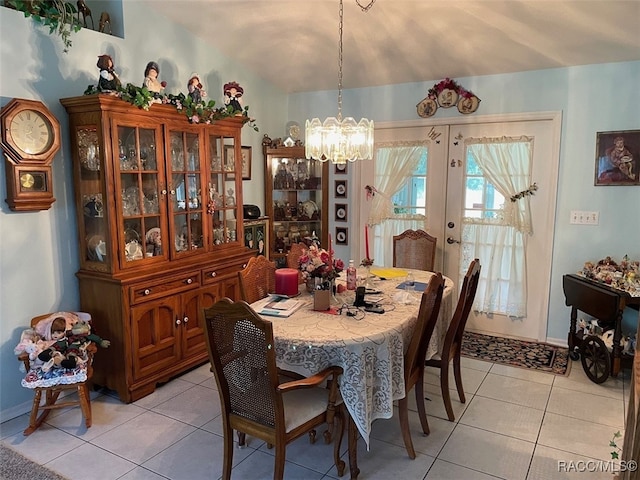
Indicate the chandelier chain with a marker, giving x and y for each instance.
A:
(340, 29)
(367, 7)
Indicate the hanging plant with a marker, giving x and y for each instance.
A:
(58, 15)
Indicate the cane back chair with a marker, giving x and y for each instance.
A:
(254, 402)
(414, 249)
(257, 279)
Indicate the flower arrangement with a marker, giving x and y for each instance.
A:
(317, 262)
(623, 276)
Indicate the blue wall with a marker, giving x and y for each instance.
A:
(593, 98)
(38, 251)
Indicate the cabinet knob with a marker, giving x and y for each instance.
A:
(213, 274)
(172, 191)
(244, 265)
(178, 321)
(189, 281)
(147, 291)
(163, 191)
(185, 319)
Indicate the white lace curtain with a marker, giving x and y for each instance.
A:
(395, 162)
(500, 245)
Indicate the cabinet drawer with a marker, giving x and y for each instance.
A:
(152, 289)
(212, 274)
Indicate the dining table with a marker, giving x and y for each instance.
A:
(368, 346)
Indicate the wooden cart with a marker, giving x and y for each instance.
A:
(606, 304)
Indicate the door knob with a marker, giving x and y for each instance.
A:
(451, 240)
(451, 224)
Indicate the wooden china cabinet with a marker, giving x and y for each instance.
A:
(160, 233)
(296, 199)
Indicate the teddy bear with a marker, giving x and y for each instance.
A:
(70, 350)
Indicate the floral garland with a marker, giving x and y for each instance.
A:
(529, 191)
(196, 112)
(449, 83)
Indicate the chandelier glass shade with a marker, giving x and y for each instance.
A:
(336, 139)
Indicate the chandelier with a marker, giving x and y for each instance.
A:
(337, 139)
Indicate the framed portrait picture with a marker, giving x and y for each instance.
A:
(341, 212)
(617, 158)
(340, 168)
(340, 190)
(229, 162)
(342, 236)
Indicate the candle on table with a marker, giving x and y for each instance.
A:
(366, 240)
(287, 281)
(330, 253)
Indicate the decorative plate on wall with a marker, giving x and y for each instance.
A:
(468, 105)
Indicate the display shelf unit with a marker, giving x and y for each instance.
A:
(156, 209)
(296, 199)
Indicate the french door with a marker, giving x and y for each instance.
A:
(445, 205)
(538, 245)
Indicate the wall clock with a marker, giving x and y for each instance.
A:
(30, 139)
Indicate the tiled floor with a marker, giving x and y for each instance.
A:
(516, 424)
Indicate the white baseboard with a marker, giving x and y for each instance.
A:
(558, 342)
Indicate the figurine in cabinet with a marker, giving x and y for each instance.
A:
(108, 81)
(195, 88)
(151, 81)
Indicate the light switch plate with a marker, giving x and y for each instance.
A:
(581, 217)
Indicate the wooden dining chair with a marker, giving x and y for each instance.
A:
(452, 347)
(257, 279)
(254, 402)
(414, 249)
(52, 387)
(414, 359)
(293, 258)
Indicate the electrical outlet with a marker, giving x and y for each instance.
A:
(580, 217)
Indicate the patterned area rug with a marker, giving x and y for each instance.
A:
(516, 353)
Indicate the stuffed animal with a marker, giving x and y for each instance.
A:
(32, 345)
(72, 346)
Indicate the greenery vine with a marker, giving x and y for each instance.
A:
(58, 15)
(196, 112)
(615, 453)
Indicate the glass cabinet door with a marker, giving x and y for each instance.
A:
(94, 234)
(297, 198)
(185, 192)
(223, 185)
(140, 171)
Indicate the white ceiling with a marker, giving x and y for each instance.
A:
(294, 43)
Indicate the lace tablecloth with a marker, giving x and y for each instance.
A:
(369, 350)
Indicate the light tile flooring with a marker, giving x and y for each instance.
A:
(516, 424)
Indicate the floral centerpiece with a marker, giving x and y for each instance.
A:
(623, 276)
(318, 263)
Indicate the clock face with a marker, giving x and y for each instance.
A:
(31, 132)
